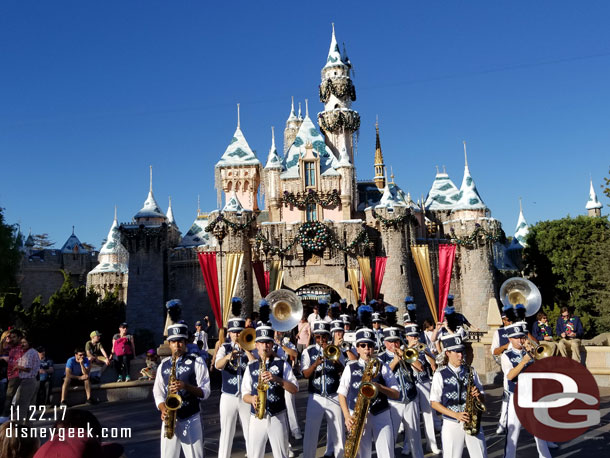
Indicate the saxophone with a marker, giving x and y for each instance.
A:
(474, 408)
(261, 390)
(173, 401)
(366, 395)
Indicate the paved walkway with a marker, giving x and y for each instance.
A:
(145, 422)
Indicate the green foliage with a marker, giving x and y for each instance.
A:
(67, 319)
(42, 241)
(10, 256)
(607, 187)
(568, 260)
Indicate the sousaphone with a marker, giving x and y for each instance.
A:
(286, 309)
(517, 290)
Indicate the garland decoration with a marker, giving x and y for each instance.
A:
(237, 227)
(478, 233)
(301, 201)
(395, 222)
(337, 119)
(314, 236)
(340, 87)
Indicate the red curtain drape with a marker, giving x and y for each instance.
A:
(446, 255)
(380, 262)
(362, 290)
(207, 261)
(262, 277)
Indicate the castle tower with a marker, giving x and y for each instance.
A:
(379, 165)
(150, 214)
(273, 168)
(522, 228)
(474, 266)
(337, 92)
(292, 126)
(594, 207)
(170, 213)
(111, 274)
(239, 171)
(148, 240)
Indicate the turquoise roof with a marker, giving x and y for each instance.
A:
(238, 152)
(443, 194)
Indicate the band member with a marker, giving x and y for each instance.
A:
(287, 351)
(192, 384)
(279, 377)
(378, 425)
(338, 339)
(451, 325)
(404, 409)
(499, 344)
(232, 361)
(448, 397)
(410, 317)
(345, 318)
(423, 384)
(569, 329)
(514, 360)
(378, 331)
(324, 376)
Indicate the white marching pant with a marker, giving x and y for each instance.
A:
(273, 428)
(232, 407)
(429, 414)
(378, 428)
(317, 407)
(504, 410)
(408, 415)
(453, 437)
(291, 409)
(513, 429)
(188, 437)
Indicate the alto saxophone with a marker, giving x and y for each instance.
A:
(173, 401)
(261, 390)
(366, 395)
(474, 408)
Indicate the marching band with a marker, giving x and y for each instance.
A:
(369, 385)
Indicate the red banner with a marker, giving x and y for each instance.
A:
(207, 261)
(446, 255)
(262, 277)
(380, 262)
(362, 291)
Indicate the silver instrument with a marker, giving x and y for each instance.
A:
(286, 309)
(517, 290)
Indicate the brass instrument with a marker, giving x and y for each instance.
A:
(518, 290)
(173, 401)
(474, 408)
(286, 309)
(540, 350)
(246, 339)
(261, 390)
(366, 395)
(332, 352)
(410, 355)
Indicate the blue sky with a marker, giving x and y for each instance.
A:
(92, 93)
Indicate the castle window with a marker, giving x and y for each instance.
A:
(311, 212)
(310, 174)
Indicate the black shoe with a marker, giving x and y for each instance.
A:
(92, 401)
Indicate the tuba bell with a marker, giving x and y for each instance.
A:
(517, 290)
(286, 309)
(247, 338)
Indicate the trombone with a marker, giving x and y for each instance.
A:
(540, 350)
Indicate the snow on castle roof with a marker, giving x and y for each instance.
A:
(468, 197)
(443, 194)
(334, 58)
(196, 235)
(521, 231)
(73, 245)
(238, 152)
(234, 205)
(308, 133)
(593, 202)
(273, 160)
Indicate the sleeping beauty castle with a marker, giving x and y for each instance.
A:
(321, 232)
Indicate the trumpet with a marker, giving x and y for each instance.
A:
(539, 350)
(410, 355)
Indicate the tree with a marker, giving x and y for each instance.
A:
(10, 255)
(42, 241)
(88, 246)
(568, 260)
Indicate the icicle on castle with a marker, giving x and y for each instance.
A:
(319, 230)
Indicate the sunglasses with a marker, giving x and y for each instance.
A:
(365, 345)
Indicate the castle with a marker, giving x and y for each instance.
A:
(317, 221)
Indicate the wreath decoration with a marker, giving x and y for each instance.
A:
(339, 87)
(301, 201)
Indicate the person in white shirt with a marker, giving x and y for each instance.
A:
(448, 397)
(200, 334)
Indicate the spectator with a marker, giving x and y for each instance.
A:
(4, 349)
(152, 362)
(17, 441)
(123, 347)
(570, 329)
(77, 372)
(314, 316)
(303, 334)
(28, 366)
(97, 356)
(200, 334)
(44, 377)
(15, 351)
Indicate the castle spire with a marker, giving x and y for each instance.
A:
(170, 213)
(468, 197)
(594, 207)
(334, 54)
(115, 214)
(380, 179)
(306, 108)
(150, 213)
(465, 154)
(292, 116)
(300, 116)
(273, 160)
(150, 189)
(521, 230)
(238, 116)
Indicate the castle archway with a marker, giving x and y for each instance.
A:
(311, 293)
